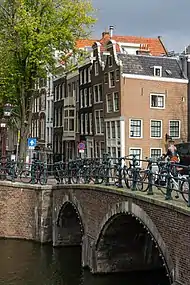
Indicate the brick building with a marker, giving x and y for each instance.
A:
(149, 95)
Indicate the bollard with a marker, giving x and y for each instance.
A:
(150, 179)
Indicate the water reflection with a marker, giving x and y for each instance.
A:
(27, 263)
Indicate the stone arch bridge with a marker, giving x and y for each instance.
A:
(123, 231)
(118, 230)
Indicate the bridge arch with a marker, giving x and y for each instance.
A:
(69, 223)
(114, 244)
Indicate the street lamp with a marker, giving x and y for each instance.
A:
(3, 124)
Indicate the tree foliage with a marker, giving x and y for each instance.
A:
(30, 32)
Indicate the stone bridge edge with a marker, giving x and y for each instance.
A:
(136, 211)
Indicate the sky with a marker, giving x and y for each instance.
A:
(149, 18)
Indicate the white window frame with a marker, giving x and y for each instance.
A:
(134, 119)
(158, 67)
(160, 95)
(90, 96)
(86, 123)
(114, 101)
(156, 148)
(90, 123)
(109, 79)
(179, 129)
(158, 138)
(89, 73)
(81, 98)
(85, 97)
(111, 98)
(84, 70)
(101, 131)
(82, 124)
(96, 66)
(137, 148)
(98, 86)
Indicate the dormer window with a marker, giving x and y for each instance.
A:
(158, 71)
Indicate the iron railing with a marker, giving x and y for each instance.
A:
(130, 172)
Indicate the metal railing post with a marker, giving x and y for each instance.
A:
(107, 167)
(69, 172)
(120, 184)
(168, 189)
(150, 179)
(188, 203)
(134, 170)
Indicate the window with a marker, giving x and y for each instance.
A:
(89, 74)
(90, 123)
(156, 129)
(85, 79)
(69, 120)
(99, 121)
(137, 152)
(135, 128)
(96, 68)
(108, 130)
(112, 79)
(113, 129)
(117, 74)
(118, 129)
(116, 101)
(85, 97)
(158, 71)
(81, 99)
(109, 103)
(90, 148)
(90, 96)
(98, 93)
(157, 101)
(86, 123)
(106, 78)
(155, 153)
(174, 129)
(63, 90)
(82, 124)
(110, 60)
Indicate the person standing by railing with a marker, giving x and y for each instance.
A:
(172, 153)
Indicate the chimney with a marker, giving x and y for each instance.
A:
(111, 28)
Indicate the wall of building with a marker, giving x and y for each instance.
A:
(135, 104)
(25, 212)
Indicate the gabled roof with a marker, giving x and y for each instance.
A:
(143, 65)
(82, 43)
(154, 45)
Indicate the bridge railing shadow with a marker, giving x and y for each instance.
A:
(130, 172)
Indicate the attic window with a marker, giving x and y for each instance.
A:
(168, 71)
(158, 71)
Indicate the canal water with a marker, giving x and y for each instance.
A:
(28, 263)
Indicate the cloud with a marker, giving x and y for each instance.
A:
(166, 18)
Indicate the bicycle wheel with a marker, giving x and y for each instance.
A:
(145, 182)
(185, 190)
(128, 177)
(43, 178)
(25, 176)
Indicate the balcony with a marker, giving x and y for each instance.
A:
(69, 101)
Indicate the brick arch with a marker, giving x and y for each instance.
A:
(78, 212)
(132, 209)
